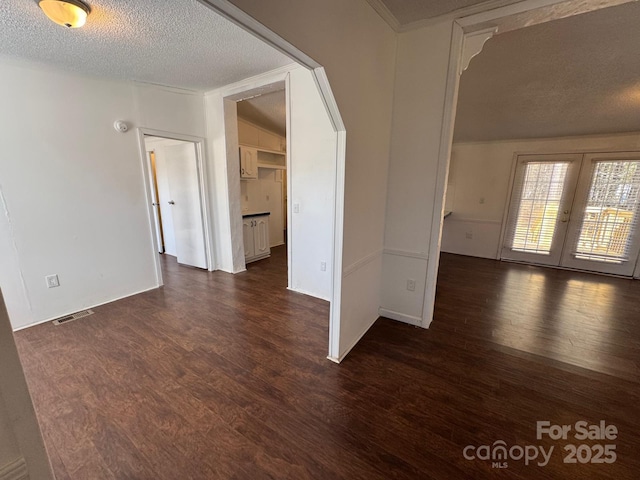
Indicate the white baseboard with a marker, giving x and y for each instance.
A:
(16, 470)
(400, 317)
(353, 344)
(309, 294)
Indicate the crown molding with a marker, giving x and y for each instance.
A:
(385, 13)
(459, 13)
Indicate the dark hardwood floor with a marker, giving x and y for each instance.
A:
(216, 376)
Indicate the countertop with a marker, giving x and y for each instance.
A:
(255, 214)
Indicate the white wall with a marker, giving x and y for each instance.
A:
(73, 194)
(479, 185)
(357, 49)
(170, 109)
(21, 447)
(72, 188)
(312, 178)
(423, 58)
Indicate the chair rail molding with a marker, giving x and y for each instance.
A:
(15, 470)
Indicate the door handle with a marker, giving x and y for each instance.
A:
(154, 204)
(171, 202)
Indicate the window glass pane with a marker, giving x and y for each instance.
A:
(609, 217)
(542, 190)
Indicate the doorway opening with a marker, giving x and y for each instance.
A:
(176, 182)
(533, 181)
(262, 139)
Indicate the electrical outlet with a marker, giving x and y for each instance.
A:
(296, 208)
(323, 266)
(469, 235)
(52, 281)
(411, 285)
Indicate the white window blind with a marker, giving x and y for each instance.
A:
(611, 212)
(540, 191)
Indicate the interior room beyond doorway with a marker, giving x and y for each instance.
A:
(262, 138)
(540, 175)
(174, 176)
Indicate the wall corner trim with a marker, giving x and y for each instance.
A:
(16, 470)
(400, 317)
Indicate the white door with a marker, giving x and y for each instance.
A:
(164, 196)
(186, 206)
(540, 208)
(603, 234)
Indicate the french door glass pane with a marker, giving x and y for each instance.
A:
(609, 217)
(542, 189)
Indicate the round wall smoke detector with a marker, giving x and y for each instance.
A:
(120, 126)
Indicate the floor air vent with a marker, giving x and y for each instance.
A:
(72, 317)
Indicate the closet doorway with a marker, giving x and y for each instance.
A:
(176, 183)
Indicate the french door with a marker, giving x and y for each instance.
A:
(576, 211)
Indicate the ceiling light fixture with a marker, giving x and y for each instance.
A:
(68, 13)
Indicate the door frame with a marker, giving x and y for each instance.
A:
(199, 144)
(269, 83)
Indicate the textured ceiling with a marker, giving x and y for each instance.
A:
(267, 111)
(575, 76)
(178, 43)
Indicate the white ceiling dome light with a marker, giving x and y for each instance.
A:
(68, 13)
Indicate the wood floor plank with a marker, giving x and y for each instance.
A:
(218, 376)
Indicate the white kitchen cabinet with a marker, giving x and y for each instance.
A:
(255, 229)
(249, 242)
(248, 162)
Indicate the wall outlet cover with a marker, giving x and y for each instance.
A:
(52, 281)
